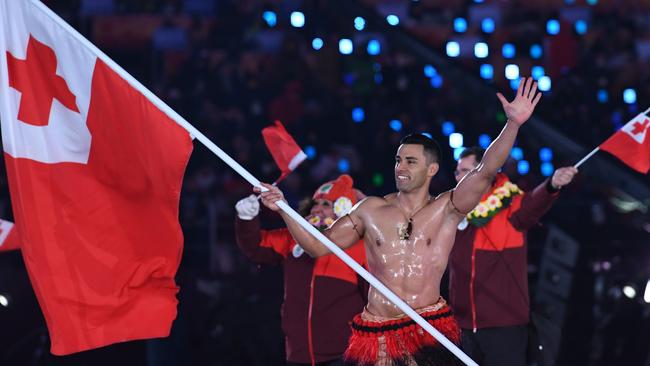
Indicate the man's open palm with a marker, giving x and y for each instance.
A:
(519, 110)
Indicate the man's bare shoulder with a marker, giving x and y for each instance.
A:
(444, 196)
(372, 202)
(444, 200)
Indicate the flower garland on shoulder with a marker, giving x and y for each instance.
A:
(492, 203)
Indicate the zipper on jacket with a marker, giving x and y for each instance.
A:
(471, 288)
(311, 304)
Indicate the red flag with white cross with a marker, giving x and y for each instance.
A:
(631, 143)
(95, 173)
(283, 148)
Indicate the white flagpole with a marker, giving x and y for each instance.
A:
(586, 157)
(255, 182)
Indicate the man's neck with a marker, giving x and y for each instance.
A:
(409, 201)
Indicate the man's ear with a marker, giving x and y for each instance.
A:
(432, 169)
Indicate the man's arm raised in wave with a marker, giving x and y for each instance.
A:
(344, 232)
(470, 189)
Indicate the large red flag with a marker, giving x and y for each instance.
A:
(95, 172)
(631, 144)
(8, 236)
(284, 149)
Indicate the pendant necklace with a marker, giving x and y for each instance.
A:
(404, 230)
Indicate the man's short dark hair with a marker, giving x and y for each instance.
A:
(431, 148)
(477, 151)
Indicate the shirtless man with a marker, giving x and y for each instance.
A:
(409, 236)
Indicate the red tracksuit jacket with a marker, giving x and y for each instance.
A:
(321, 295)
(488, 284)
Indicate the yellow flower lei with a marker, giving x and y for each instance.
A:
(500, 198)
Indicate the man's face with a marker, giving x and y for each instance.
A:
(411, 168)
(322, 208)
(464, 166)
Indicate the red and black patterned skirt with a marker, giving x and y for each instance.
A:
(380, 341)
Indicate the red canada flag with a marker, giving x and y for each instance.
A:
(631, 144)
(284, 149)
(95, 172)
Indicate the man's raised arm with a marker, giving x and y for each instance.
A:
(469, 190)
(344, 232)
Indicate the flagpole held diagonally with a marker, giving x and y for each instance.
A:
(577, 165)
(255, 182)
(595, 150)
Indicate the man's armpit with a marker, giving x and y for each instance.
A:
(354, 226)
(453, 205)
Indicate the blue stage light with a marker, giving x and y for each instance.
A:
(359, 23)
(523, 167)
(317, 43)
(310, 151)
(536, 51)
(517, 153)
(396, 125)
(629, 96)
(553, 27)
(603, 96)
(460, 25)
(487, 25)
(457, 152)
(358, 114)
(487, 71)
(484, 141)
(448, 128)
(547, 169)
(508, 50)
(581, 27)
(392, 20)
(344, 165)
(436, 81)
(429, 71)
(270, 18)
(374, 47)
(545, 154)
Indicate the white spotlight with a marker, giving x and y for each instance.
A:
(629, 291)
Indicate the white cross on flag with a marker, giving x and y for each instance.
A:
(631, 144)
(95, 172)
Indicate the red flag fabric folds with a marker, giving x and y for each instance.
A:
(284, 149)
(631, 144)
(95, 172)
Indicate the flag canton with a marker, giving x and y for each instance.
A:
(637, 128)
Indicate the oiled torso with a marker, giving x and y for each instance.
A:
(411, 268)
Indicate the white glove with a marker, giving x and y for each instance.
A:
(247, 208)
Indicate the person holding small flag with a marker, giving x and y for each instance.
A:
(488, 277)
(321, 295)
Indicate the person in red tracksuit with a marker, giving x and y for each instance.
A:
(488, 279)
(321, 295)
